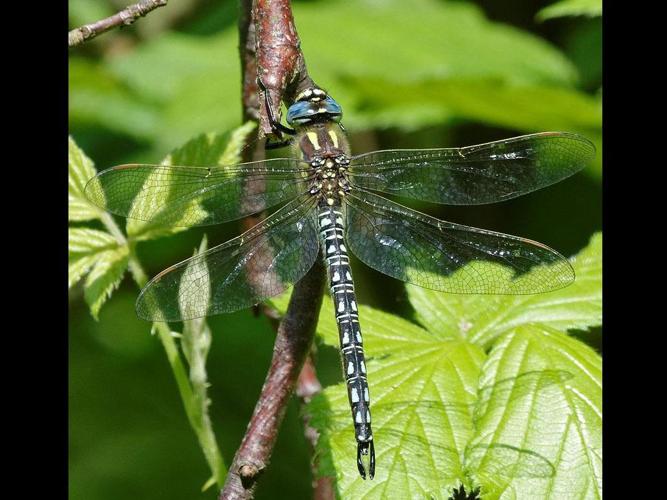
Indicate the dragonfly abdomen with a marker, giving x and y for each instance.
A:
(341, 287)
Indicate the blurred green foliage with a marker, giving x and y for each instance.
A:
(408, 74)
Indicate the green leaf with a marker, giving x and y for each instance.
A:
(81, 170)
(203, 150)
(99, 98)
(85, 245)
(532, 106)
(419, 447)
(421, 40)
(213, 149)
(105, 277)
(83, 240)
(480, 319)
(589, 8)
(100, 256)
(444, 414)
(197, 80)
(527, 108)
(383, 332)
(538, 436)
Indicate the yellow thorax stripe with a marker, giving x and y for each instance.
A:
(312, 137)
(334, 137)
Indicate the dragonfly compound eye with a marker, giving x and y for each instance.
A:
(314, 106)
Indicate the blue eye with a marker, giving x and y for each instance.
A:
(299, 111)
(305, 111)
(332, 106)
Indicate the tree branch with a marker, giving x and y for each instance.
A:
(293, 341)
(280, 62)
(125, 17)
(269, 46)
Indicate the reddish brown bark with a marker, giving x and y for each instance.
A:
(293, 341)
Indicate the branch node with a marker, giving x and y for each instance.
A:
(249, 472)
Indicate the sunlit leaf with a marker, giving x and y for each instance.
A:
(196, 329)
(104, 277)
(81, 170)
(85, 246)
(543, 439)
(422, 415)
(100, 256)
(482, 318)
(203, 150)
(384, 332)
(445, 415)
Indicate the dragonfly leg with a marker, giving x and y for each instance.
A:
(276, 126)
(276, 144)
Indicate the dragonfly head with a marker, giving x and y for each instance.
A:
(313, 104)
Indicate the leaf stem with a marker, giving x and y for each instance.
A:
(194, 399)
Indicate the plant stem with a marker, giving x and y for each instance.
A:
(194, 401)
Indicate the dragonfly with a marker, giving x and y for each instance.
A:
(330, 203)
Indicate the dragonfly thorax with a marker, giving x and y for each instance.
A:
(330, 179)
(324, 147)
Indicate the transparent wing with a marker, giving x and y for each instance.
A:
(259, 264)
(440, 255)
(196, 196)
(474, 175)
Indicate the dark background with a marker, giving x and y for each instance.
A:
(128, 433)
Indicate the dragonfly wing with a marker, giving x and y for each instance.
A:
(244, 271)
(196, 196)
(486, 173)
(448, 257)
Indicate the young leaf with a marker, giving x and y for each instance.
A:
(203, 150)
(80, 172)
(85, 247)
(589, 8)
(538, 434)
(480, 319)
(104, 277)
(99, 255)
